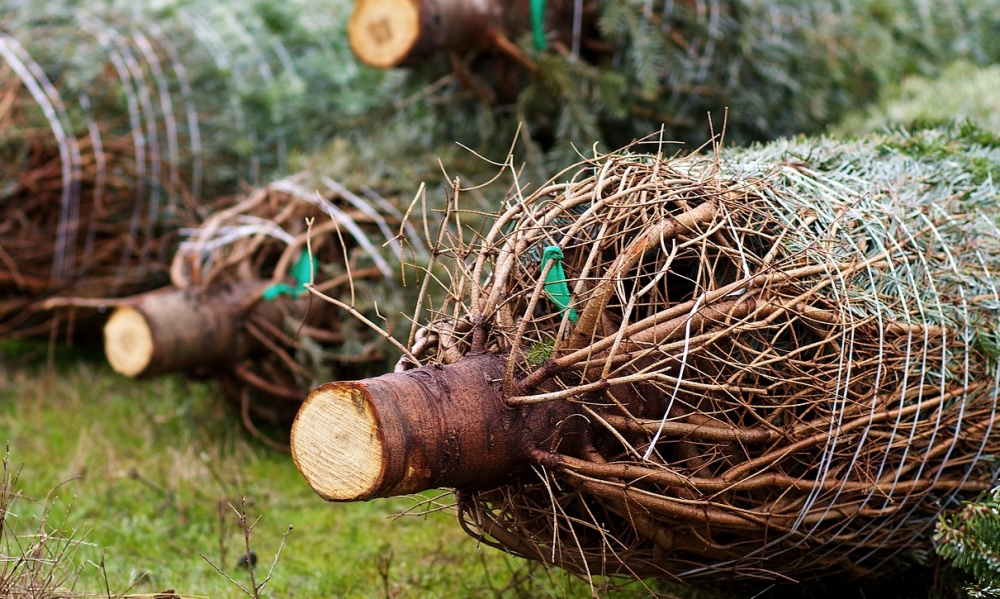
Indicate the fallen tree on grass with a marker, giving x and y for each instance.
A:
(237, 307)
(779, 362)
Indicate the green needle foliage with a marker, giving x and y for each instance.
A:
(784, 66)
(971, 540)
(238, 86)
(963, 90)
(780, 67)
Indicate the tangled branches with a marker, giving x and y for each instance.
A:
(280, 239)
(780, 361)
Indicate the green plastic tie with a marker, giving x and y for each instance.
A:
(555, 280)
(302, 272)
(538, 24)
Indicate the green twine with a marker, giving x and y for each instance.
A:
(538, 24)
(302, 272)
(555, 280)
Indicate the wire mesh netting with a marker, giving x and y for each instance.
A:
(119, 122)
(780, 67)
(783, 361)
(299, 231)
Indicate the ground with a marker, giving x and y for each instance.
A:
(143, 473)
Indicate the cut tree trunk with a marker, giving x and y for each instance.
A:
(388, 33)
(435, 426)
(175, 330)
(744, 366)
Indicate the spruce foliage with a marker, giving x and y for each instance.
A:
(962, 91)
(784, 67)
(241, 87)
(971, 540)
(779, 67)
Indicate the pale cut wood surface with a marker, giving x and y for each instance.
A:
(336, 443)
(383, 32)
(128, 341)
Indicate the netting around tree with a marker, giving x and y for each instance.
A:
(298, 231)
(613, 70)
(121, 122)
(780, 68)
(782, 361)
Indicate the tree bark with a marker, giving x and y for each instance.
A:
(388, 33)
(175, 330)
(435, 426)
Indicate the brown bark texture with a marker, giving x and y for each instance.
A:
(435, 426)
(177, 330)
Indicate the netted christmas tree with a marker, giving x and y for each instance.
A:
(120, 122)
(237, 308)
(613, 70)
(777, 362)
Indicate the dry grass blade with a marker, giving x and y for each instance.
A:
(256, 589)
(37, 558)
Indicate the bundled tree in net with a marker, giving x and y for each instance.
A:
(615, 69)
(122, 122)
(238, 308)
(773, 362)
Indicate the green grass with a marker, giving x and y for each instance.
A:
(144, 472)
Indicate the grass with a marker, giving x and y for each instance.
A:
(142, 477)
(142, 474)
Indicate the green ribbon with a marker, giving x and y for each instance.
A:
(555, 280)
(302, 272)
(538, 24)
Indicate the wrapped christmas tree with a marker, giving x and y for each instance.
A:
(122, 122)
(777, 362)
(237, 307)
(616, 69)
